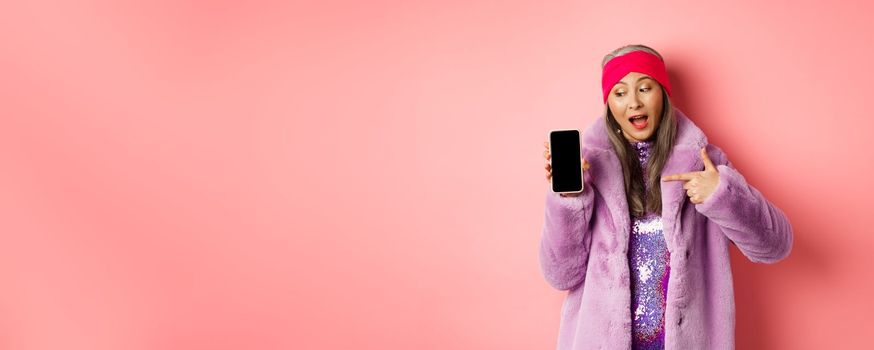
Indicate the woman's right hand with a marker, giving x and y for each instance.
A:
(585, 166)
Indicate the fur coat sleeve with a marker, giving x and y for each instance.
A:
(755, 225)
(565, 240)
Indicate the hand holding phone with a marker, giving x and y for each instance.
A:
(564, 165)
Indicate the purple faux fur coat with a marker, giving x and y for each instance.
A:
(584, 245)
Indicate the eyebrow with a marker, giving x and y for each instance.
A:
(638, 79)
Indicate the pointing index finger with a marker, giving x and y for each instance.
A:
(676, 177)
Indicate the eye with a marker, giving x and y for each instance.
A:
(645, 89)
(619, 93)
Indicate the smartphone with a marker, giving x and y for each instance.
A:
(566, 160)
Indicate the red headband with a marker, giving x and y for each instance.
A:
(635, 61)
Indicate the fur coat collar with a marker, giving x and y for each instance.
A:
(606, 174)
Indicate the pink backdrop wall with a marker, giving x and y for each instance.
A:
(267, 175)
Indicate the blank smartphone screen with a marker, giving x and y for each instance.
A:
(566, 167)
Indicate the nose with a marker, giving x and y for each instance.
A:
(635, 102)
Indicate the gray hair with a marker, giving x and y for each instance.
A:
(664, 143)
(629, 48)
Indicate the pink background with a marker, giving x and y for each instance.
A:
(267, 175)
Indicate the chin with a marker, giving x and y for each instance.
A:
(641, 135)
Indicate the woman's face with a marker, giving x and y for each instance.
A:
(636, 95)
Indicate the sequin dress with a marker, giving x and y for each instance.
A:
(648, 258)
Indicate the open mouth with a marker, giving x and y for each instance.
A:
(639, 122)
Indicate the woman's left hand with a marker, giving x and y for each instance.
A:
(699, 184)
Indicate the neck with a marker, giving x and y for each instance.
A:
(634, 140)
